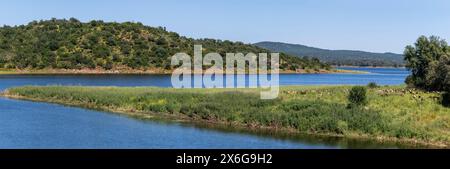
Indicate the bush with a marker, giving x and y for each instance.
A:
(445, 99)
(342, 127)
(372, 85)
(357, 96)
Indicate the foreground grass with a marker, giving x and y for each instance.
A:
(393, 113)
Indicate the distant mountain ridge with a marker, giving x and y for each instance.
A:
(336, 57)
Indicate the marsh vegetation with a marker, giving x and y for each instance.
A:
(390, 113)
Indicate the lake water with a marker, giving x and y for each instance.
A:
(25, 124)
(382, 76)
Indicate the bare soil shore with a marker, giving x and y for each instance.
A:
(152, 71)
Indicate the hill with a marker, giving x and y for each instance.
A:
(71, 44)
(337, 57)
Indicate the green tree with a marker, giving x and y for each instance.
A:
(428, 61)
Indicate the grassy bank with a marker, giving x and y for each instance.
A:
(393, 113)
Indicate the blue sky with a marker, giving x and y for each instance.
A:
(371, 25)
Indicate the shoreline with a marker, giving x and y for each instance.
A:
(178, 117)
(374, 67)
(145, 72)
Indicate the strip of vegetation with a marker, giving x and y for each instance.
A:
(384, 113)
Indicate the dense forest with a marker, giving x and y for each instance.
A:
(337, 57)
(71, 44)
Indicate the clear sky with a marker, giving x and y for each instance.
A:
(371, 25)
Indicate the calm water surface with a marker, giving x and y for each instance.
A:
(25, 124)
(383, 76)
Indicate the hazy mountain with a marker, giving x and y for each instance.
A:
(337, 57)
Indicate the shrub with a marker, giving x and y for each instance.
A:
(357, 96)
(445, 99)
(342, 127)
(372, 85)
